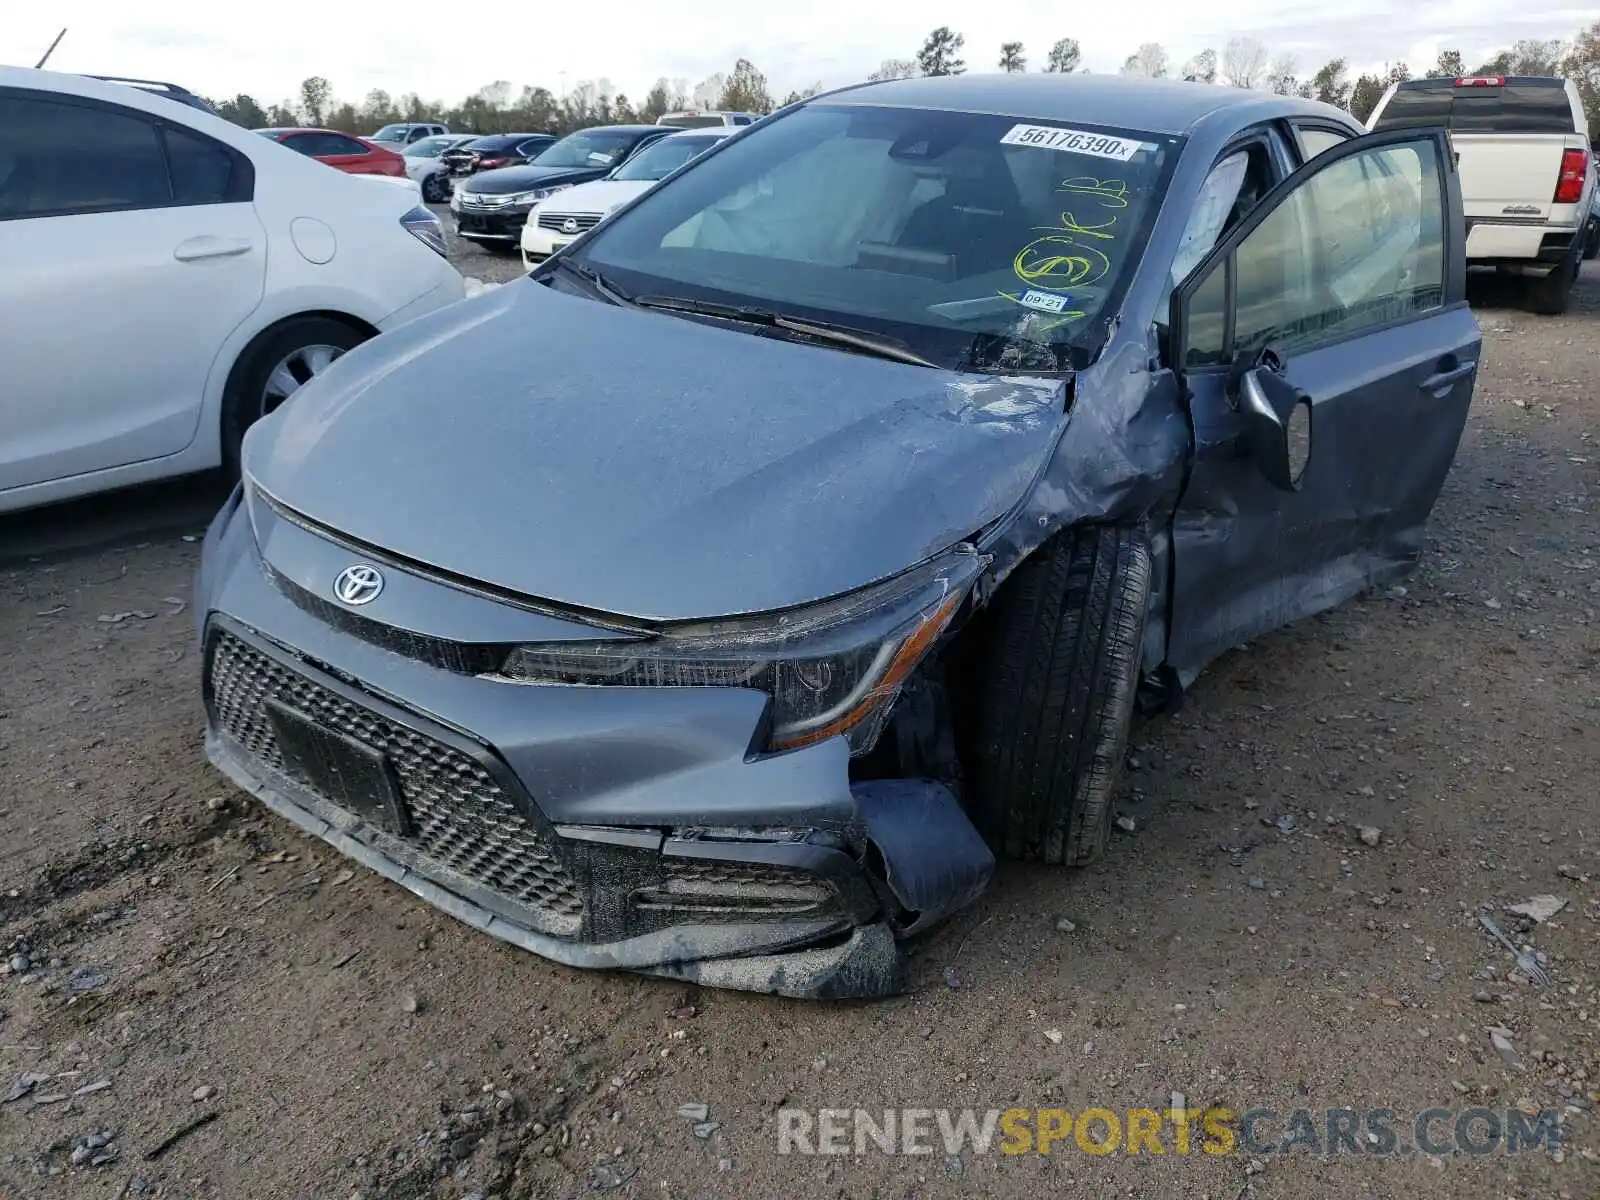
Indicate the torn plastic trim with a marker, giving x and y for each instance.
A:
(934, 860)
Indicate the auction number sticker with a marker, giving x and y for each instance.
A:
(1072, 141)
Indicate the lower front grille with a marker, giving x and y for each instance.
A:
(462, 821)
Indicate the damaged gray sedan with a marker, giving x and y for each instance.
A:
(857, 483)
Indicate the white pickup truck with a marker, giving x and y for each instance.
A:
(1522, 143)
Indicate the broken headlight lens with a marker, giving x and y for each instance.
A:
(831, 668)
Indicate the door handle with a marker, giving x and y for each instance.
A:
(1442, 380)
(196, 249)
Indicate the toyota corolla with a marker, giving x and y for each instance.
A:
(874, 468)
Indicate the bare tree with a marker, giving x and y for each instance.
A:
(1202, 68)
(1281, 75)
(1149, 61)
(1244, 62)
(708, 90)
(894, 68)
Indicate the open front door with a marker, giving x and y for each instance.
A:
(1338, 308)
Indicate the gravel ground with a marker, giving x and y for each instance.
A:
(472, 260)
(1291, 924)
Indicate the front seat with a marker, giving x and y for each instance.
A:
(974, 220)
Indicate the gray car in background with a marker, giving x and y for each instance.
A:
(870, 470)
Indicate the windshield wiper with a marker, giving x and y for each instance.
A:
(856, 339)
(594, 279)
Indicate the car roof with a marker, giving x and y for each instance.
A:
(619, 129)
(305, 129)
(705, 131)
(1151, 105)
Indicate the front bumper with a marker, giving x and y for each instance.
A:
(489, 225)
(623, 828)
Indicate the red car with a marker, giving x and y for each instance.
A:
(342, 150)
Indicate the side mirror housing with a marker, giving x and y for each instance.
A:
(1278, 423)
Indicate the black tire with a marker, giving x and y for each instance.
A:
(432, 190)
(242, 398)
(1591, 241)
(1550, 294)
(1058, 694)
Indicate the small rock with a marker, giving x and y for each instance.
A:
(724, 1164)
(1053, 1036)
(19, 964)
(819, 1064)
(89, 1089)
(1127, 824)
(217, 803)
(343, 877)
(409, 1003)
(1370, 835)
(694, 1112)
(1484, 997)
(1257, 883)
(1500, 1039)
(86, 979)
(204, 1092)
(1066, 925)
(705, 1129)
(1568, 871)
(1538, 908)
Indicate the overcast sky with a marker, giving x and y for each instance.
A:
(447, 51)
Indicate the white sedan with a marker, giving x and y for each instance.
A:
(169, 278)
(423, 165)
(556, 221)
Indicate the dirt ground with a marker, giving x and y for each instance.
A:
(171, 953)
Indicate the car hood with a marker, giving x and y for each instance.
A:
(646, 465)
(601, 196)
(521, 179)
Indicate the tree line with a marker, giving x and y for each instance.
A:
(1243, 62)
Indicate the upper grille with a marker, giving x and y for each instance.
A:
(461, 818)
(580, 221)
(464, 658)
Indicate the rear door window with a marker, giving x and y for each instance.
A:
(1509, 108)
(58, 158)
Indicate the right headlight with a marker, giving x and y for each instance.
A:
(831, 668)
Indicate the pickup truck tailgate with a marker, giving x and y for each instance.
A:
(1509, 174)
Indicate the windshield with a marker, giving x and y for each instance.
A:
(390, 133)
(980, 242)
(1515, 107)
(429, 147)
(663, 158)
(588, 148)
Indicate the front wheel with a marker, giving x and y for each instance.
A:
(273, 368)
(433, 190)
(1058, 693)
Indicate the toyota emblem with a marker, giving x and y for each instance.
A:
(359, 584)
(569, 226)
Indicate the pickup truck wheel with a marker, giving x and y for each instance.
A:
(1550, 294)
(1591, 241)
(1058, 693)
